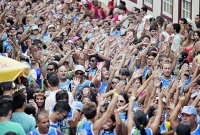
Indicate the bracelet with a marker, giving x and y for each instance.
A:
(116, 94)
(133, 97)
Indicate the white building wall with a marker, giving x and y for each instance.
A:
(157, 7)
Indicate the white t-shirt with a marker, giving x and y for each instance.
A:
(125, 23)
(140, 29)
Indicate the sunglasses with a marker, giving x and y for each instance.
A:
(114, 82)
(92, 60)
(49, 69)
(85, 92)
(79, 73)
(121, 101)
(63, 115)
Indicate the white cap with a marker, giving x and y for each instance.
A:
(34, 27)
(80, 67)
(50, 26)
(70, 41)
(189, 21)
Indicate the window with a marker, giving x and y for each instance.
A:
(167, 9)
(148, 3)
(186, 9)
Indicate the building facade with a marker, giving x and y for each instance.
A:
(171, 10)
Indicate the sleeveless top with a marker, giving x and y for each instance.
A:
(54, 125)
(103, 87)
(124, 118)
(188, 50)
(108, 133)
(65, 127)
(52, 131)
(196, 132)
(91, 74)
(85, 129)
(165, 83)
(65, 85)
(147, 130)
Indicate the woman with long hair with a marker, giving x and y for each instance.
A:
(39, 98)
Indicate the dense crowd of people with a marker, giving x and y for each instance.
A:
(98, 70)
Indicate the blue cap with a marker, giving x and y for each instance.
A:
(189, 110)
(77, 105)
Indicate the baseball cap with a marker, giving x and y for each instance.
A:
(34, 27)
(75, 38)
(70, 41)
(189, 110)
(189, 21)
(51, 26)
(77, 105)
(80, 67)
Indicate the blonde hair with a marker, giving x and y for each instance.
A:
(188, 39)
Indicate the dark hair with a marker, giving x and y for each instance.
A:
(10, 133)
(60, 95)
(29, 4)
(89, 110)
(151, 111)
(124, 71)
(71, 8)
(10, 21)
(122, 7)
(140, 121)
(116, 77)
(62, 106)
(185, 61)
(184, 20)
(24, 20)
(6, 86)
(95, 56)
(123, 3)
(18, 101)
(198, 32)
(137, 9)
(53, 79)
(55, 65)
(153, 28)
(198, 25)
(176, 27)
(146, 37)
(5, 106)
(183, 129)
(144, 9)
(152, 54)
(30, 109)
(124, 95)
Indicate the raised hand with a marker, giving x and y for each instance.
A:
(119, 87)
(100, 99)
(76, 81)
(123, 108)
(157, 82)
(181, 83)
(137, 73)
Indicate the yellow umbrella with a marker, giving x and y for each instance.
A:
(10, 69)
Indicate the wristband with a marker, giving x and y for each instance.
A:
(116, 94)
(133, 97)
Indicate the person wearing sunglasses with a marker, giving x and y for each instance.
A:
(59, 113)
(79, 76)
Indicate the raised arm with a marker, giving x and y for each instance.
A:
(100, 122)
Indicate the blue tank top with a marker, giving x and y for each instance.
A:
(103, 87)
(196, 132)
(147, 130)
(163, 128)
(65, 86)
(38, 81)
(108, 133)
(165, 83)
(65, 127)
(146, 70)
(85, 129)
(52, 131)
(86, 83)
(123, 117)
